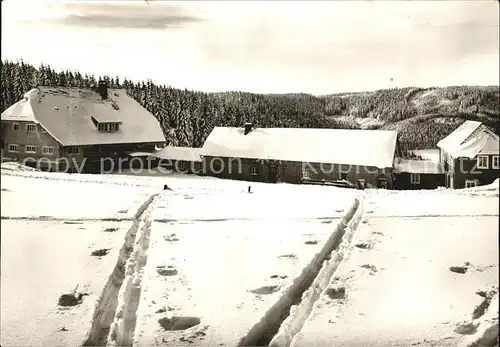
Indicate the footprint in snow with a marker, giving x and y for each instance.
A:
(265, 290)
(373, 269)
(460, 269)
(171, 238)
(71, 299)
(100, 252)
(363, 245)
(166, 271)
(289, 256)
(276, 276)
(336, 293)
(179, 323)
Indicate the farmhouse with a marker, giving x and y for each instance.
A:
(470, 155)
(179, 159)
(418, 174)
(79, 130)
(362, 158)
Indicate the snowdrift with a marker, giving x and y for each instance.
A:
(14, 166)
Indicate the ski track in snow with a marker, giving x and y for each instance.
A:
(114, 317)
(292, 329)
(336, 249)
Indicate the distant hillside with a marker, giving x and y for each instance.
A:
(422, 116)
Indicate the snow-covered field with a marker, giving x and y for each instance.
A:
(51, 225)
(61, 197)
(224, 258)
(41, 261)
(208, 263)
(397, 287)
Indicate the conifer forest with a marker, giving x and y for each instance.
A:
(422, 116)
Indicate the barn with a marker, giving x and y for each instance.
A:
(356, 158)
(412, 174)
(470, 156)
(79, 129)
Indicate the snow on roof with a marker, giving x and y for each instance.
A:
(336, 146)
(470, 139)
(20, 111)
(66, 115)
(418, 166)
(138, 154)
(427, 154)
(105, 112)
(179, 153)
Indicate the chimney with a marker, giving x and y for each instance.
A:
(248, 128)
(102, 89)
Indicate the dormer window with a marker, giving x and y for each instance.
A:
(106, 127)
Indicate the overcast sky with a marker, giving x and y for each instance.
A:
(269, 47)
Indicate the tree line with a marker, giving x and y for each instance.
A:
(187, 117)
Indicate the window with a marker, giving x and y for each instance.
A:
(415, 178)
(15, 126)
(31, 128)
(13, 148)
(482, 162)
(108, 127)
(48, 150)
(342, 176)
(73, 150)
(361, 184)
(30, 149)
(494, 162)
(253, 171)
(306, 174)
(471, 183)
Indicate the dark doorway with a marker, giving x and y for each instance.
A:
(382, 183)
(106, 166)
(361, 184)
(272, 176)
